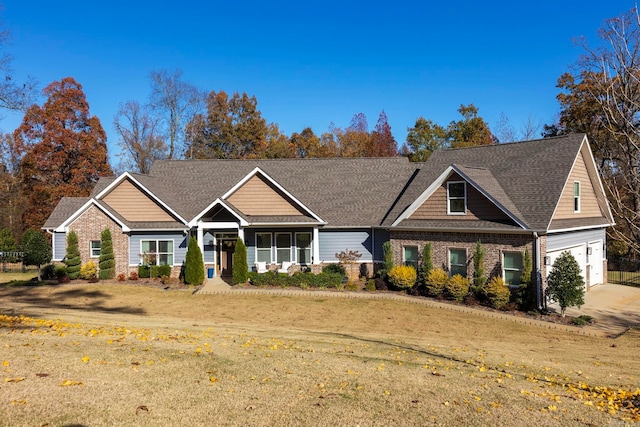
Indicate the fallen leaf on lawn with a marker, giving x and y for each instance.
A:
(141, 408)
(67, 383)
(213, 379)
(86, 359)
(14, 380)
(5, 363)
(42, 375)
(19, 402)
(250, 408)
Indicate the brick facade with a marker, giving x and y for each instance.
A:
(441, 242)
(89, 227)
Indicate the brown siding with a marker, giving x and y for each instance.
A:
(589, 207)
(478, 206)
(89, 227)
(134, 205)
(257, 197)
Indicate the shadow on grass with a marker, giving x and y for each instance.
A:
(43, 296)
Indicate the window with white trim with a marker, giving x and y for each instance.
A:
(157, 252)
(283, 247)
(95, 246)
(303, 248)
(263, 247)
(512, 267)
(576, 197)
(410, 256)
(458, 262)
(456, 198)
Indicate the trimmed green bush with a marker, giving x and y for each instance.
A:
(497, 294)
(479, 279)
(240, 268)
(159, 271)
(334, 269)
(144, 272)
(303, 280)
(107, 263)
(194, 264)
(402, 276)
(436, 279)
(371, 285)
(426, 265)
(565, 284)
(457, 287)
(72, 259)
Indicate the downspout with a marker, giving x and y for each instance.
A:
(536, 242)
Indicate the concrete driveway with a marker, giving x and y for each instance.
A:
(614, 308)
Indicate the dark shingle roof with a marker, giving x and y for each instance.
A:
(66, 207)
(532, 174)
(342, 191)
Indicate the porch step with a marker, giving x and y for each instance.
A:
(213, 285)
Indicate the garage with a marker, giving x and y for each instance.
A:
(579, 253)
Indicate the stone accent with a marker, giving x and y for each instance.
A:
(441, 242)
(89, 227)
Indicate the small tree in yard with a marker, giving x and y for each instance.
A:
(387, 257)
(240, 267)
(349, 258)
(565, 285)
(36, 249)
(194, 264)
(107, 263)
(527, 289)
(72, 259)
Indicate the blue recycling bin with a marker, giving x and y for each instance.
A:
(210, 273)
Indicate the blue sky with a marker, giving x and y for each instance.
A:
(313, 63)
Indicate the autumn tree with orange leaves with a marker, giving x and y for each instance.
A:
(63, 150)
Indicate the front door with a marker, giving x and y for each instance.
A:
(225, 250)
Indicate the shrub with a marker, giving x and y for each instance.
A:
(49, 272)
(497, 294)
(426, 264)
(381, 284)
(240, 269)
(387, 256)
(194, 264)
(565, 285)
(144, 271)
(72, 259)
(60, 271)
(351, 286)
(479, 279)
(133, 276)
(121, 277)
(322, 280)
(436, 279)
(371, 285)
(402, 276)
(334, 269)
(88, 271)
(107, 263)
(457, 287)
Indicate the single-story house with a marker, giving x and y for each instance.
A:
(544, 195)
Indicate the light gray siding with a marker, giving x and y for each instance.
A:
(250, 241)
(570, 239)
(179, 245)
(336, 241)
(59, 246)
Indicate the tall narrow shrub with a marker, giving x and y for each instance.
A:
(240, 267)
(387, 257)
(194, 264)
(426, 265)
(527, 288)
(72, 259)
(107, 262)
(479, 278)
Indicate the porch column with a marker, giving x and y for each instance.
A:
(200, 234)
(241, 234)
(315, 256)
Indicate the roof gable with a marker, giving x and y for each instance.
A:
(257, 196)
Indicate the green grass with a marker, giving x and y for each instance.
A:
(15, 278)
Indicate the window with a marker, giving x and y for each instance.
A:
(95, 248)
(576, 197)
(263, 247)
(410, 256)
(157, 252)
(303, 248)
(458, 262)
(283, 247)
(512, 267)
(456, 198)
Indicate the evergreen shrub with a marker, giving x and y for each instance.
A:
(435, 282)
(496, 293)
(402, 276)
(457, 287)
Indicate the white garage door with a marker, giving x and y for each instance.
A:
(596, 263)
(578, 252)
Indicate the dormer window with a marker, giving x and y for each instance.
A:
(457, 198)
(576, 197)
